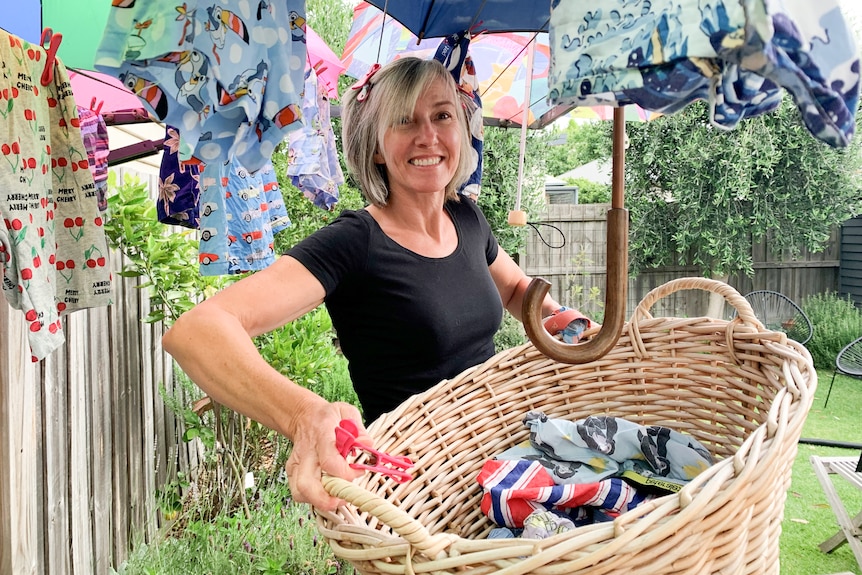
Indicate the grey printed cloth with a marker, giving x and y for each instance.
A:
(598, 447)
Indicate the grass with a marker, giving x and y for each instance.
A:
(808, 519)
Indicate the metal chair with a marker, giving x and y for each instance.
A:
(847, 362)
(779, 313)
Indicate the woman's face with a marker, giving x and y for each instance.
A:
(421, 153)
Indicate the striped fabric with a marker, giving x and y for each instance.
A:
(513, 489)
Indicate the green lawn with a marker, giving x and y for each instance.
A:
(808, 519)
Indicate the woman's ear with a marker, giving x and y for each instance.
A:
(378, 158)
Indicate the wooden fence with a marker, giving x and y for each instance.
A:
(573, 257)
(85, 439)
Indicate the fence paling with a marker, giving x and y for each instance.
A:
(85, 438)
(581, 262)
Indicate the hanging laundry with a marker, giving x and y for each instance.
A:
(737, 56)
(229, 77)
(179, 188)
(53, 249)
(94, 132)
(235, 222)
(453, 53)
(313, 164)
(278, 218)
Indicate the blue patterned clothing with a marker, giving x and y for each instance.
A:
(235, 221)
(664, 54)
(227, 73)
(313, 164)
(600, 447)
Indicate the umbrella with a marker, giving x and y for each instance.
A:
(437, 18)
(632, 113)
(327, 65)
(433, 18)
(500, 60)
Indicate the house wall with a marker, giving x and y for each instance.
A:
(850, 274)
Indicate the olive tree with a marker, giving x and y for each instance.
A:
(703, 194)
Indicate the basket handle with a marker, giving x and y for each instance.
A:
(411, 530)
(733, 297)
(745, 315)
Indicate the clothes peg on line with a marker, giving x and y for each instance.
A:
(94, 107)
(53, 44)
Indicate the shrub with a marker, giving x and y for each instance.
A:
(836, 320)
(590, 192)
(511, 333)
(165, 261)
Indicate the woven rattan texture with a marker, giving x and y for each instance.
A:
(741, 390)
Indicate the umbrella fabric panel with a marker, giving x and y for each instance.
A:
(500, 60)
(229, 81)
(325, 63)
(375, 38)
(738, 60)
(100, 91)
(76, 20)
(438, 18)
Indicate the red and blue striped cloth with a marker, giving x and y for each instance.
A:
(513, 489)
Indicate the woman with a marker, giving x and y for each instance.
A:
(415, 283)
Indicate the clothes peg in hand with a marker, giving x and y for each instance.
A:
(394, 466)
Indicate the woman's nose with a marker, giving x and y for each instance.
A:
(426, 132)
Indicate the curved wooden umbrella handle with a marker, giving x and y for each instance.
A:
(615, 302)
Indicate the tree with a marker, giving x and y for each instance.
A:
(500, 182)
(700, 193)
(582, 143)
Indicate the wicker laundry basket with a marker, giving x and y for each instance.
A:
(741, 390)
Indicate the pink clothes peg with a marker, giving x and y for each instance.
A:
(394, 466)
(96, 108)
(53, 44)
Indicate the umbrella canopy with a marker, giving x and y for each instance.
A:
(80, 23)
(500, 59)
(438, 18)
(327, 65)
(632, 113)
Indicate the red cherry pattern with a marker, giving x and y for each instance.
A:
(30, 165)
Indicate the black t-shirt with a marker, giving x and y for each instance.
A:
(405, 321)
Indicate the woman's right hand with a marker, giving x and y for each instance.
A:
(314, 452)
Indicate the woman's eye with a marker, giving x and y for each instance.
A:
(403, 121)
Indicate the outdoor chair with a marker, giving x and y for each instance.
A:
(779, 313)
(849, 528)
(847, 362)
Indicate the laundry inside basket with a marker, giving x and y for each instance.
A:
(586, 471)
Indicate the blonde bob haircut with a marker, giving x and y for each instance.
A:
(391, 94)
